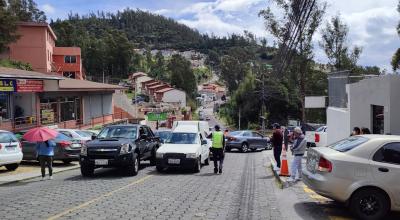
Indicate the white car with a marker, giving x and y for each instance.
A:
(361, 171)
(76, 134)
(10, 150)
(186, 148)
(321, 137)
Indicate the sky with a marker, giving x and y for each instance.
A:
(372, 23)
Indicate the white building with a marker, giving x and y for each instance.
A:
(139, 80)
(373, 103)
(175, 96)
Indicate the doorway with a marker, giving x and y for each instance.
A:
(378, 119)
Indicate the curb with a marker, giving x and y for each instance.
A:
(282, 183)
(36, 176)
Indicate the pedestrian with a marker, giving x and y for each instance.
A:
(285, 137)
(45, 152)
(217, 149)
(356, 131)
(365, 131)
(276, 140)
(298, 149)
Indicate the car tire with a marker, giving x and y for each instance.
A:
(268, 147)
(67, 161)
(87, 171)
(370, 204)
(160, 169)
(197, 166)
(12, 167)
(245, 148)
(227, 149)
(133, 169)
(207, 162)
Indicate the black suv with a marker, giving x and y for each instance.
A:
(121, 146)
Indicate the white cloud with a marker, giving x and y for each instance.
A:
(162, 11)
(235, 5)
(48, 9)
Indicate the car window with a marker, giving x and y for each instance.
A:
(149, 132)
(83, 134)
(183, 138)
(62, 137)
(235, 133)
(255, 134)
(320, 129)
(390, 153)
(118, 132)
(164, 135)
(7, 137)
(348, 143)
(247, 134)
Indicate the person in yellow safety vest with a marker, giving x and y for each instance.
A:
(218, 146)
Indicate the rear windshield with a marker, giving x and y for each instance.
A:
(320, 129)
(83, 134)
(236, 133)
(62, 137)
(7, 137)
(348, 143)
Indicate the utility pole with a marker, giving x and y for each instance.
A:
(239, 118)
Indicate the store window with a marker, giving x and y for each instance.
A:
(68, 110)
(48, 111)
(4, 106)
(69, 59)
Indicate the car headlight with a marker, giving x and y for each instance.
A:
(124, 149)
(84, 150)
(191, 155)
(159, 155)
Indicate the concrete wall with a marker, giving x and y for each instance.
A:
(394, 107)
(364, 94)
(96, 105)
(338, 122)
(175, 96)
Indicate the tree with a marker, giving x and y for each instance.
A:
(159, 70)
(8, 26)
(334, 43)
(396, 57)
(182, 75)
(26, 10)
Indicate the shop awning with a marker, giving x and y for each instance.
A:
(10, 73)
(84, 85)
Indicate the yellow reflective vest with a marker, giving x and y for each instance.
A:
(218, 139)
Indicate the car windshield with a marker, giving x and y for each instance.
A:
(164, 135)
(235, 133)
(83, 134)
(348, 143)
(62, 137)
(7, 137)
(320, 129)
(182, 138)
(118, 132)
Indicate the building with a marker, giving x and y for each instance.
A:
(369, 101)
(68, 62)
(171, 96)
(29, 99)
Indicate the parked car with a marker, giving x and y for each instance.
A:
(186, 148)
(138, 99)
(10, 150)
(311, 136)
(163, 134)
(76, 134)
(122, 146)
(91, 133)
(361, 171)
(321, 136)
(247, 140)
(67, 149)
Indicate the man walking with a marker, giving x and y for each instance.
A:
(298, 149)
(217, 149)
(276, 140)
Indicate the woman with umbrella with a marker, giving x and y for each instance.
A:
(44, 147)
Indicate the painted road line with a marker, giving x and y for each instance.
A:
(85, 204)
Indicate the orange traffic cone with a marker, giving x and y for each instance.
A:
(284, 164)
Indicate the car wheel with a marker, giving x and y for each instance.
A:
(133, 169)
(12, 167)
(207, 162)
(153, 158)
(370, 204)
(268, 147)
(87, 171)
(245, 147)
(197, 167)
(67, 161)
(160, 169)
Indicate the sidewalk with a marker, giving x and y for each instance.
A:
(30, 170)
(283, 180)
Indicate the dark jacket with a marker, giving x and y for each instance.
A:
(277, 138)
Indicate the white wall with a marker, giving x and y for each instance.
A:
(315, 101)
(140, 80)
(97, 105)
(175, 96)
(338, 122)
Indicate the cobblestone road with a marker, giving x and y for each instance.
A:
(246, 190)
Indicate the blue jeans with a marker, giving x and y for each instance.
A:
(295, 168)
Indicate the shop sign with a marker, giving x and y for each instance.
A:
(47, 116)
(30, 85)
(151, 116)
(7, 85)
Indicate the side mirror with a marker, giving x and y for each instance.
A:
(203, 142)
(93, 137)
(143, 137)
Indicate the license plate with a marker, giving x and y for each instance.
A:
(174, 161)
(76, 145)
(100, 162)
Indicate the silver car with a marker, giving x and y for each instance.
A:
(361, 171)
(246, 140)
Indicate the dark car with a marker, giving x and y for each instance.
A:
(122, 146)
(67, 149)
(247, 140)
